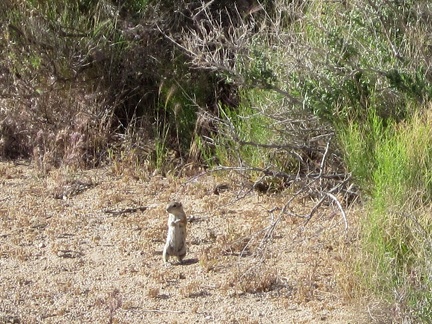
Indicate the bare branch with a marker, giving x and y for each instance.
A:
(340, 208)
(162, 311)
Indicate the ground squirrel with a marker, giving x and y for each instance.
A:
(176, 238)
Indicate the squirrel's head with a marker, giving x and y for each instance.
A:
(174, 207)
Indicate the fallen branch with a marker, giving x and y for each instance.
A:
(163, 311)
(125, 210)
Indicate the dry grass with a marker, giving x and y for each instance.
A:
(64, 260)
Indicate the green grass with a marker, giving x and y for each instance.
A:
(394, 163)
(244, 132)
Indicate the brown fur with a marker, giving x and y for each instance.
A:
(176, 239)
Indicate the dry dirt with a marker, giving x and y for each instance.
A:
(95, 257)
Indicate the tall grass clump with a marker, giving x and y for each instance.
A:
(359, 142)
(243, 130)
(396, 231)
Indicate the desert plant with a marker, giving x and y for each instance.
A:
(396, 235)
(48, 112)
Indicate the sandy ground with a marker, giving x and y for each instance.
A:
(96, 257)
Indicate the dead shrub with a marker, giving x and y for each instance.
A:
(256, 279)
